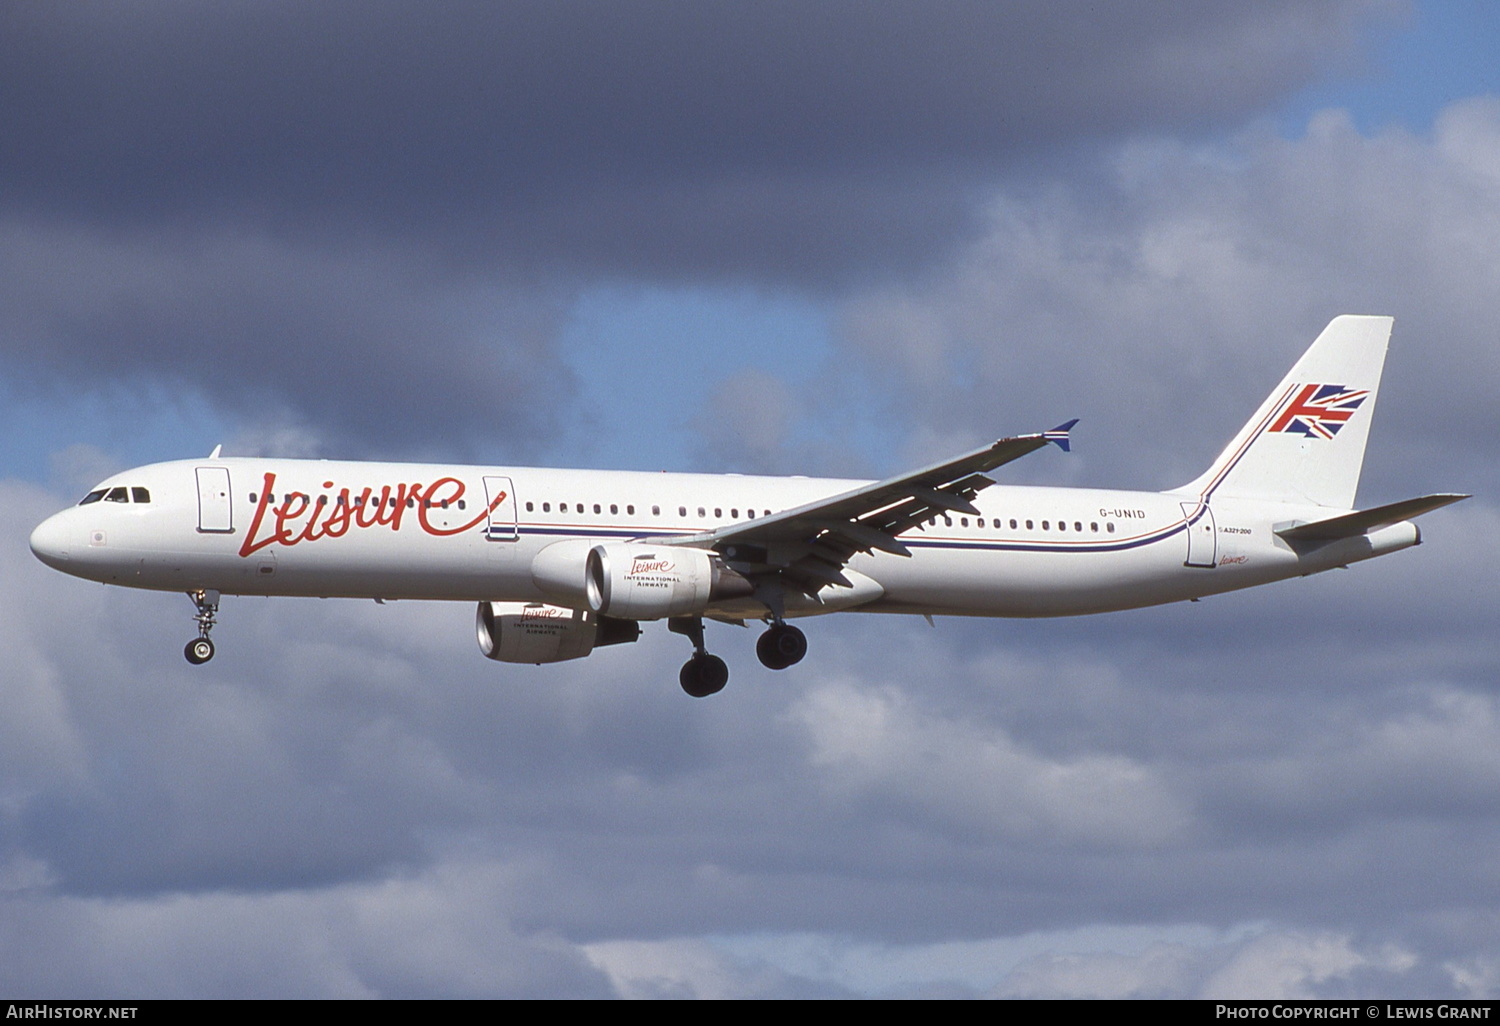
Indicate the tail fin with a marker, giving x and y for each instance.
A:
(1306, 443)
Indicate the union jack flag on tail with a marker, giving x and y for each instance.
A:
(1318, 411)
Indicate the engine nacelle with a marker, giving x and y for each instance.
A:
(533, 632)
(635, 580)
(640, 581)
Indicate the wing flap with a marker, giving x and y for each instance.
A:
(806, 549)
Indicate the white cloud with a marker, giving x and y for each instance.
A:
(978, 783)
(1161, 302)
(1264, 964)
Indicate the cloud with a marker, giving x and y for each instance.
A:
(402, 937)
(977, 785)
(692, 968)
(358, 230)
(373, 346)
(1269, 964)
(459, 100)
(1164, 302)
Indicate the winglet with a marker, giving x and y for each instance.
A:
(215, 454)
(1059, 435)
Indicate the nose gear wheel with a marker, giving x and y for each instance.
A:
(201, 649)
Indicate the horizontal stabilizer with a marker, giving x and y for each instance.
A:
(1351, 524)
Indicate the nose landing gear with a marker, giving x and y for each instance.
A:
(201, 649)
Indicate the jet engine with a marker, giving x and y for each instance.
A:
(637, 580)
(533, 632)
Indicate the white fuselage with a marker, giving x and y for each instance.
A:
(420, 531)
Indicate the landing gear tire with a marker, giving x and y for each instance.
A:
(703, 675)
(782, 645)
(199, 651)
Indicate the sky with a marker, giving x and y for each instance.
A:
(842, 237)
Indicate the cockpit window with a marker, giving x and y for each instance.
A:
(117, 495)
(140, 495)
(93, 496)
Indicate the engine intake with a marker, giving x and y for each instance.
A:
(635, 580)
(648, 582)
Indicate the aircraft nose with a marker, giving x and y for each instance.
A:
(51, 542)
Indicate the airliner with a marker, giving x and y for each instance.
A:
(561, 562)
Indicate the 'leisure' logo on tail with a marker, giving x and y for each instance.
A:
(1319, 411)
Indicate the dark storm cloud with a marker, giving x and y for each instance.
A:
(562, 129)
(375, 347)
(365, 221)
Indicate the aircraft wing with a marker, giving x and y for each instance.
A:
(805, 549)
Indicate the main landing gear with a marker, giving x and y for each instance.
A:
(781, 645)
(201, 649)
(704, 674)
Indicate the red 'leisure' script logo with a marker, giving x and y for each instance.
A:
(301, 519)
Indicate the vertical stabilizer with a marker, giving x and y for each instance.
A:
(1306, 443)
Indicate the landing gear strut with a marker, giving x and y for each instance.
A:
(201, 649)
(782, 645)
(704, 674)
